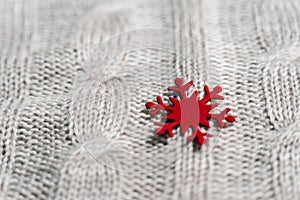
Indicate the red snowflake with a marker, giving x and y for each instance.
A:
(189, 111)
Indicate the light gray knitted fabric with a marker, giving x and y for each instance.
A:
(75, 76)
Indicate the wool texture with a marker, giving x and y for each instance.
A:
(75, 76)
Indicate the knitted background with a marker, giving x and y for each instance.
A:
(75, 76)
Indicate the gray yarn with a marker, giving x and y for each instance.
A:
(75, 76)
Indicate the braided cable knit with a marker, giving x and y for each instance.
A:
(75, 76)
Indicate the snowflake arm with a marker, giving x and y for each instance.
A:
(199, 135)
(157, 107)
(165, 128)
(206, 108)
(209, 95)
(181, 89)
(171, 115)
(221, 116)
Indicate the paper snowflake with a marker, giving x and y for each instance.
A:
(189, 112)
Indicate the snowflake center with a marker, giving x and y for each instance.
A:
(189, 113)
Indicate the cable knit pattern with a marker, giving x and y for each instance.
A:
(75, 76)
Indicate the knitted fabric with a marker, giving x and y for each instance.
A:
(75, 76)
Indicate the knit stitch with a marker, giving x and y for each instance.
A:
(75, 76)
